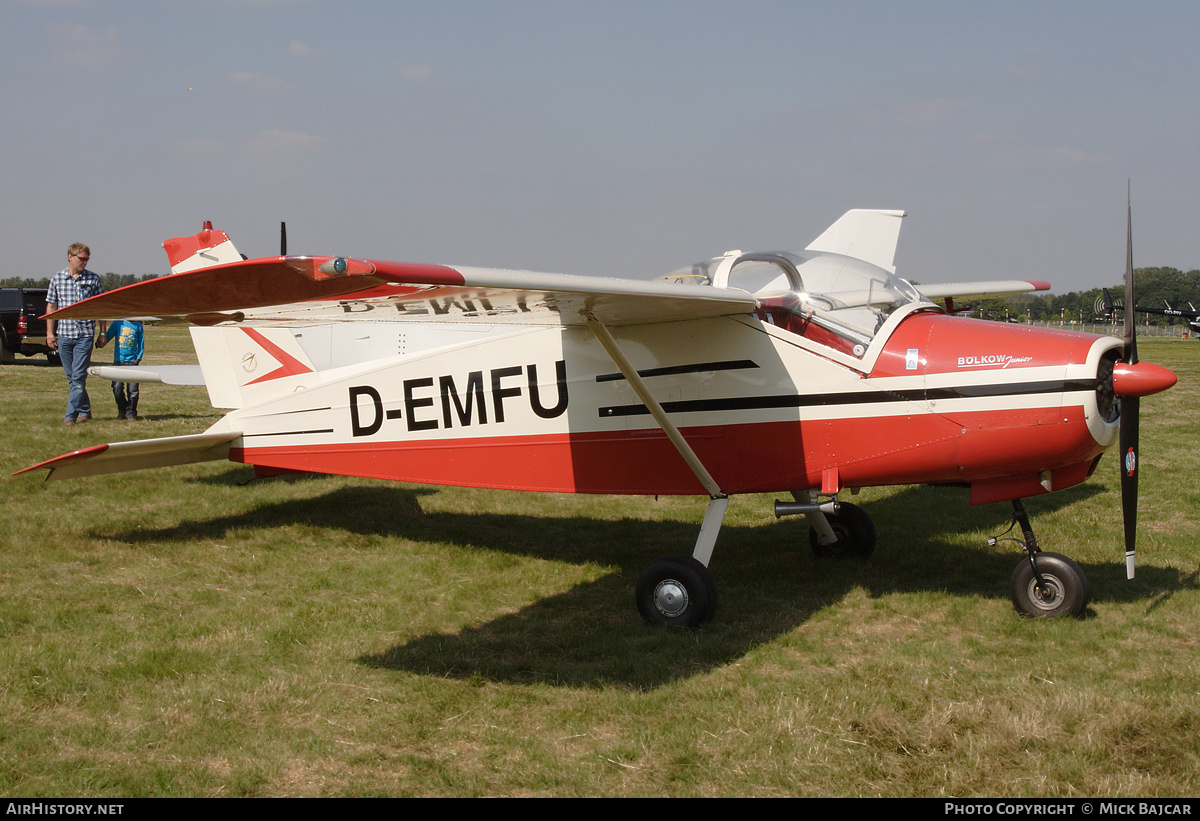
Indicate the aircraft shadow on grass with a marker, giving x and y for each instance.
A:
(769, 581)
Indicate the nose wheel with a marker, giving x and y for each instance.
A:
(1049, 585)
(1044, 585)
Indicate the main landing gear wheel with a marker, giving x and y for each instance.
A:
(855, 534)
(1064, 592)
(676, 590)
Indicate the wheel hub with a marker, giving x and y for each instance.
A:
(670, 598)
(1047, 596)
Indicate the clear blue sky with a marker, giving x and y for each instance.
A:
(606, 138)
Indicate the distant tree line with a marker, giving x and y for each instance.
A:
(110, 281)
(1155, 288)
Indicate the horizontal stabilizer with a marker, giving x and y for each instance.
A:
(978, 290)
(121, 457)
(166, 374)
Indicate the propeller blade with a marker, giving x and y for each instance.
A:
(283, 239)
(1130, 319)
(1130, 412)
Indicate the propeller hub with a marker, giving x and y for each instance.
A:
(1141, 379)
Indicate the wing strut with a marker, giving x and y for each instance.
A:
(714, 515)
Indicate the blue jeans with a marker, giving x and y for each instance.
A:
(76, 355)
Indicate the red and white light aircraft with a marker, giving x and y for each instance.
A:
(807, 373)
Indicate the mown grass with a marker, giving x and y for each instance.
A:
(183, 633)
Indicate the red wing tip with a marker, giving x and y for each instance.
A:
(1039, 285)
(73, 456)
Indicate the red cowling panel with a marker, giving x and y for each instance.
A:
(946, 344)
(1007, 488)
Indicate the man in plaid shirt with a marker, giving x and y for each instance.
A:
(73, 338)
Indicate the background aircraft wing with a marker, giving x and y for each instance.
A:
(319, 290)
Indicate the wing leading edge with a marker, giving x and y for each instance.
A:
(304, 290)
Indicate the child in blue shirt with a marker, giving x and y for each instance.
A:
(128, 350)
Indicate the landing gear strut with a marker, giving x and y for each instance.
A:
(837, 530)
(855, 534)
(678, 590)
(1044, 584)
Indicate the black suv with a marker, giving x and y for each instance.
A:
(22, 330)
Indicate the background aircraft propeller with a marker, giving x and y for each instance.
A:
(1106, 307)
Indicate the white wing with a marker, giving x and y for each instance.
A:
(977, 290)
(319, 290)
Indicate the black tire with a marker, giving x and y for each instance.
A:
(855, 532)
(6, 356)
(1066, 592)
(677, 591)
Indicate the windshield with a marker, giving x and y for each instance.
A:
(836, 300)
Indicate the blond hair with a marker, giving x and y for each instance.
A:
(80, 249)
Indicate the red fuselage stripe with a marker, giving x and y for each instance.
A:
(743, 458)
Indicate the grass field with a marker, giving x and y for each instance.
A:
(182, 632)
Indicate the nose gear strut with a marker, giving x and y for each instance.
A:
(1044, 584)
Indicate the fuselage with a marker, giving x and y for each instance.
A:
(767, 405)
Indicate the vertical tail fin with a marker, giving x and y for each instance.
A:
(864, 234)
(243, 366)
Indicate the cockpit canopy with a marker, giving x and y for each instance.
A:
(834, 299)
